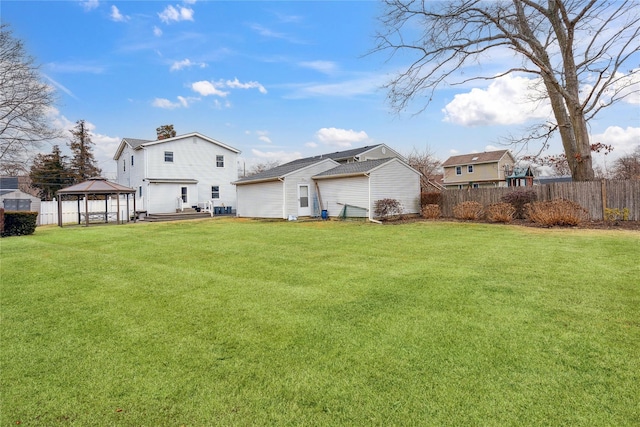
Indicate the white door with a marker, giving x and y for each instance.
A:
(303, 200)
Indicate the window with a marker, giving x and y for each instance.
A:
(168, 156)
(131, 160)
(183, 194)
(17, 204)
(124, 165)
(140, 191)
(458, 170)
(215, 192)
(470, 168)
(476, 185)
(219, 161)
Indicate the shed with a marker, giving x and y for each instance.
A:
(95, 187)
(359, 185)
(13, 199)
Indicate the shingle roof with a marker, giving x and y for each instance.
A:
(279, 171)
(354, 168)
(96, 186)
(135, 143)
(475, 158)
(341, 155)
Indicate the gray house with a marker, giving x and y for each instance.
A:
(354, 178)
(12, 199)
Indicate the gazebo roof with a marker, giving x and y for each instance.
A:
(96, 185)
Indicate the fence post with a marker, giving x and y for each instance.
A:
(604, 199)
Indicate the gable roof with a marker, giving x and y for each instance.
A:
(96, 185)
(138, 144)
(359, 168)
(477, 158)
(280, 172)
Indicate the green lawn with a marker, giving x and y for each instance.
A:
(235, 322)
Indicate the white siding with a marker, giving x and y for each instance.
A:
(262, 200)
(304, 177)
(337, 192)
(194, 158)
(395, 180)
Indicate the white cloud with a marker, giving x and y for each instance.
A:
(340, 137)
(263, 136)
(236, 84)
(311, 144)
(157, 31)
(167, 104)
(117, 16)
(89, 5)
(624, 141)
(206, 88)
(186, 63)
(326, 67)
(507, 101)
(363, 85)
(180, 13)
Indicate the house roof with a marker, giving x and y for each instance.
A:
(358, 168)
(521, 172)
(96, 185)
(9, 183)
(477, 158)
(281, 171)
(138, 144)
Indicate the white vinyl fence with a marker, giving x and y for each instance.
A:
(49, 211)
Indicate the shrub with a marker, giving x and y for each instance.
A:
(518, 199)
(430, 198)
(556, 212)
(19, 223)
(501, 212)
(468, 210)
(387, 209)
(431, 211)
(616, 215)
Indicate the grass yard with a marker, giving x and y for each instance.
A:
(237, 322)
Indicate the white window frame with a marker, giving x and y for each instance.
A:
(469, 168)
(458, 170)
(219, 161)
(215, 194)
(168, 156)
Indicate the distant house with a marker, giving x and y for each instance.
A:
(180, 172)
(13, 199)
(329, 182)
(477, 170)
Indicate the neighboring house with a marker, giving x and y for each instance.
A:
(175, 173)
(13, 199)
(488, 169)
(305, 187)
(552, 179)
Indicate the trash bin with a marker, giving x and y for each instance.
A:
(324, 214)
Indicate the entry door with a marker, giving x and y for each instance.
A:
(303, 200)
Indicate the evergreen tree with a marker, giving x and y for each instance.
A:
(49, 173)
(83, 164)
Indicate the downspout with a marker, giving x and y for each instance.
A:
(370, 207)
(284, 197)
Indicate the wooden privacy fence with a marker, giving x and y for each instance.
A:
(594, 196)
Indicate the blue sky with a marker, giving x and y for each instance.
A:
(278, 80)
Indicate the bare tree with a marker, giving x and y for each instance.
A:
(577, 48)
(426, 163)
(627, 167)
(261, 167)
(24, 103)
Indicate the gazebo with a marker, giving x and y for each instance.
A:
(92, 187)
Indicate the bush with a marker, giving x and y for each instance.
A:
(468, 210)
(431, 211)
(616, 215)
(430, 198)
(556, 212)
(19, 223)
(501, 212)
(518, 199)
(389, 209)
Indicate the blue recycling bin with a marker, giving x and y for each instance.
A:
(324, 214)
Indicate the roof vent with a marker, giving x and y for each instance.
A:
(475, 158)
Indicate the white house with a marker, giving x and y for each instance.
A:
(305, 187)
(179, 172)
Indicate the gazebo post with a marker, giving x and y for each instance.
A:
(59, 211)
(86, 209)
(106, 208)
(79, 211)
(118, 208)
